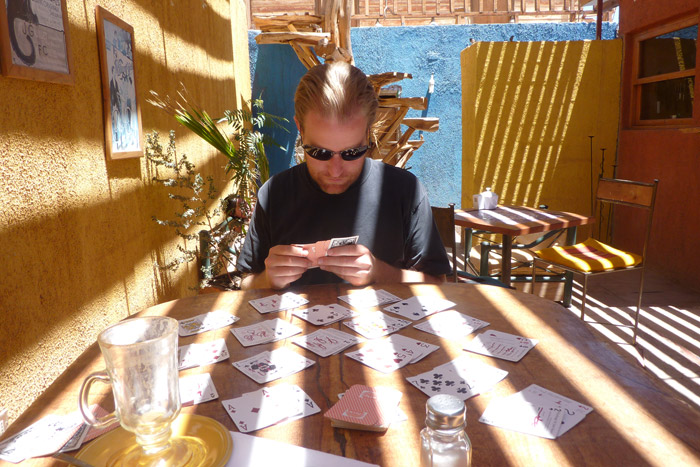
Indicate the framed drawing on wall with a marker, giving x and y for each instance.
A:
(34, 40)
(122, 112)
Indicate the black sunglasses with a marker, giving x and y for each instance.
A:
(326, 154)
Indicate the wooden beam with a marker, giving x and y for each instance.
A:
(309, 38)
(429, 124)
(417, 103)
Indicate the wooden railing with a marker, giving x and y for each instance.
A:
(416, 12)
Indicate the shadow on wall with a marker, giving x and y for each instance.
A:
(77, 239)
(528, 111)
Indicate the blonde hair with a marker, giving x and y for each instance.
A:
(335, 90)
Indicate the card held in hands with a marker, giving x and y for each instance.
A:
(320, 248)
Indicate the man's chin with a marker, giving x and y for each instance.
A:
(335, 187)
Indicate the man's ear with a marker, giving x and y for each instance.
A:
(297, 123)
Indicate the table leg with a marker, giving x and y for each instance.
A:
(505, 259)
(568, 275)
(466, 244)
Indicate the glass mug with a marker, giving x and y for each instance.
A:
(142, 368)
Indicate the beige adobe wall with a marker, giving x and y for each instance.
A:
(77, 243)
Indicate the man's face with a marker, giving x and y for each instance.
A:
(335, 175)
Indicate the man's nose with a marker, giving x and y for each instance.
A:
(335, 165)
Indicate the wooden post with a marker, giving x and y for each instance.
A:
(599, 21)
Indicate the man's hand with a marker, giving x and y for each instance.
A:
(285, 264)
(355, 264)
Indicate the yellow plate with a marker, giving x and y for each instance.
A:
(213, 434)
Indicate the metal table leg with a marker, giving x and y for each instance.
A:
(505, 259)
(569, 276)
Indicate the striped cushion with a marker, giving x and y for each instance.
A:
(590, 256)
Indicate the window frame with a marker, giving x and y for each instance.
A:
(637, 82)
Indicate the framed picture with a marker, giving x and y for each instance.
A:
(34, 40)
(122, 112)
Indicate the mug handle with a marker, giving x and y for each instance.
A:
(85, 407)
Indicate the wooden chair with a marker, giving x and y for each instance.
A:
(593, 257)
(445, 222)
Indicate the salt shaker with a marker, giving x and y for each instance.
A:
(444, 442)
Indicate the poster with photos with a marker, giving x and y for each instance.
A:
(122, 111)
(34, 40)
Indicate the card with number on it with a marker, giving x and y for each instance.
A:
(200, 354)
(535, 411)
(501, 345)
(320, 248)
(268, 406)
(375, 324)
(320, 315)
(264, 332)
(271, 365)
(390, 354)
(451, 324)
(46, 436)
(462, 377)
(196, 389)
(419, 307)
(272, 303)
(326, 342)
(205, 322)
(369, 298)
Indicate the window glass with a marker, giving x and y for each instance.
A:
(669, 52)
(667, 99)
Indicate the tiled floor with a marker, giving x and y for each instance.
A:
(668, 342)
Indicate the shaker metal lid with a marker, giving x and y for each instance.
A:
(445, 412)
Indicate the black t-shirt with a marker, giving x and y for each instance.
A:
(386, 207)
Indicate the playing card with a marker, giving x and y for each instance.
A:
(326, 342)
(205, 322)
(419, 307)
(200, 354)
(276, 302)
(197, 389)
(342, 241)
(517, 413)
(320, 315)
(501, 345)
(268, 406)
(391, 354)
(368, 298)
(264, 332)
(573, 412)
(381, 356)
(316, 251)
(463, 377)
(375, 324)
(451, 324)
(364, 407)
(44, 437)
(268, 366)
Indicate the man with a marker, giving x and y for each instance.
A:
(338, 192)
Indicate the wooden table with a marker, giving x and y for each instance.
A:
(511, 221)
(635, 420)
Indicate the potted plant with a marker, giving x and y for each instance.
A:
(247, 164)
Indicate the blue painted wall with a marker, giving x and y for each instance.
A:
(421, 51)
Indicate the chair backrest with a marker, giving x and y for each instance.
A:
(445, 222)
(629, 193)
